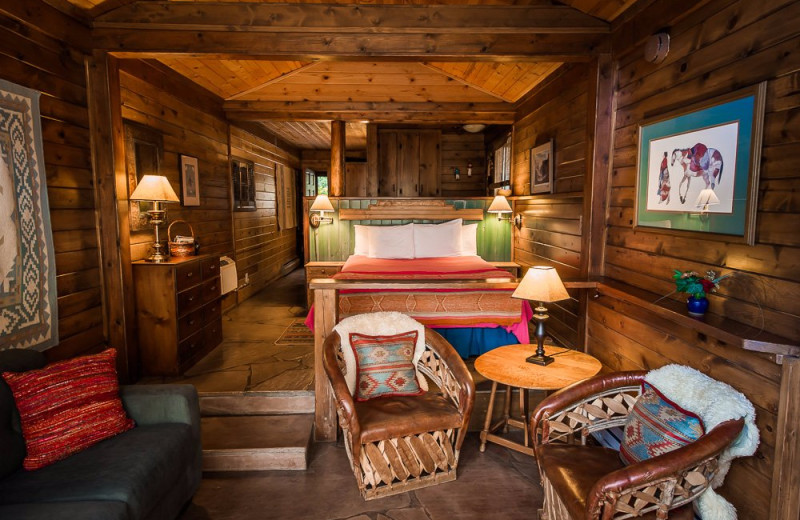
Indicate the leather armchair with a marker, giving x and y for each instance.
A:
(585, 481)
(400, 443)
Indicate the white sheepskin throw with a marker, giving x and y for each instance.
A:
(714, 402)
(378, 324)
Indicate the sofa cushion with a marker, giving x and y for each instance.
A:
(94, 510)
(12, 444)
(656, 426)
(68, 406)
(137, 467)
(423, 413)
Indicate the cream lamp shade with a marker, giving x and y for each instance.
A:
(499, 205)
(322, 204)
(541, 284)
(706, 198)
(154, 188)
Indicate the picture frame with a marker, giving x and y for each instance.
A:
(190, 181)
(698, 168)
(243, 185)
(541, 168)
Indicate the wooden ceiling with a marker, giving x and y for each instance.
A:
(409, 61)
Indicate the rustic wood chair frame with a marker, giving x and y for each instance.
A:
(655, 485)
(396, 465)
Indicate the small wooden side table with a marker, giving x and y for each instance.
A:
(506, 365)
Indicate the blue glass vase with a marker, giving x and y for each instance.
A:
(697, 306)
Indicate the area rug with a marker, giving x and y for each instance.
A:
(28, 310)
(296, 334)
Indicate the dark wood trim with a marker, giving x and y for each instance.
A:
(111, 203)
(785, 500)
(338, 150)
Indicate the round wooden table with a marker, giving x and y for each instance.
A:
(506, 365)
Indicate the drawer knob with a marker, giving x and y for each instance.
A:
(191, 322)
(191, 298)
(189, 274)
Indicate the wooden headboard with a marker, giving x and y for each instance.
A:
(420, 209)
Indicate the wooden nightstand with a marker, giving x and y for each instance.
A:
(320, 270)
(511, 267)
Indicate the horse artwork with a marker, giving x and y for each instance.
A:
(664, 186)
(697, 161)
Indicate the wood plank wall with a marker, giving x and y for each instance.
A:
(36, 57)
(717, 47)
(552, 223)
(460, 149)
(262, 250)
(190, 125)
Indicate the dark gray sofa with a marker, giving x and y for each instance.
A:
(149, 472)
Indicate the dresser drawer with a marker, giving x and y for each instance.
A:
(190, 323)
(211, 290)
(210, 267)
(212, 311)
(187, 275)
(192, 344)
(321, 272)
(190, 299)
(212, 333)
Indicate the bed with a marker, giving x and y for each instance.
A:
(474, 320)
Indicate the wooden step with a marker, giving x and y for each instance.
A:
(256, 403)
(256, 442)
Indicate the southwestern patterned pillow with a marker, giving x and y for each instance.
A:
(384, 365)
(656, 426)
(68, 406)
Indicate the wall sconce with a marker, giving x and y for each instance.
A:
(322, 204)
(501, 206)
(706, 198)
(469, 169)
(155, 189)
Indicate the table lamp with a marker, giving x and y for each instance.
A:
(155, 189)
(541, 284)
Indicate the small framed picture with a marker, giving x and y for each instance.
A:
(190, 181)
(542, 168)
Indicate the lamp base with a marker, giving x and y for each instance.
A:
(537, 359)
(157, 258)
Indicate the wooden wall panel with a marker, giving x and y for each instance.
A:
(460, 149)
(192, 130)
(262, 250)
(720, 47)
(36, 57)
(552, 224)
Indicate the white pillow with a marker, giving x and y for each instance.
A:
(362, 240)
(433, 240)
(391, 241)
(469, 240)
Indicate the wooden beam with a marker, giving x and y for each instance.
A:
(330, 19)
(382, 112)
(111, 203)
(325, 317)
(372, 160)
(336, 172)
(785, 500)
(50, 21)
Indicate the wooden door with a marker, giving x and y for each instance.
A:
(429, 163)
(355, 180)
(408, 164)
(387, 175)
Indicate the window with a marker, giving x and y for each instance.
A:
(322, 184)
(502, 165)
(244, 186)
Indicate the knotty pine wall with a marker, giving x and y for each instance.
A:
(38, 57)
(552, 223)
(262, 250)
(190, 125)
(716, 47)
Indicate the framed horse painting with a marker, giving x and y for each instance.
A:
(698, 167)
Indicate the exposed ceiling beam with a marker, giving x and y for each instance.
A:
(496, 113)
(322, 31)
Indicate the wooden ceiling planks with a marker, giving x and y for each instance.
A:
(316, 135)
(507, 81)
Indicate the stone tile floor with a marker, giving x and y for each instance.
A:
(248, 359)
(498, 483)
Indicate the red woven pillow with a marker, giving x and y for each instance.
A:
(68, 406)
(384, 365)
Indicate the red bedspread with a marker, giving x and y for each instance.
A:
(359, 267)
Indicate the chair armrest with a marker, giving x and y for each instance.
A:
(452, 374)
(572, 409)
(344, 401)
(695, 459)
(158, 404)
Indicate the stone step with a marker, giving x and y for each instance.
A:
(256, 442)
(256, 403)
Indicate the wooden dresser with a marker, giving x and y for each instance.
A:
(178, 312)
(320, 270)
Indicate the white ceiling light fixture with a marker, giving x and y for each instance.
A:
(474, 128)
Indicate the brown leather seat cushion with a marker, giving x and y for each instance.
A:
(574, 469)
(397, 416)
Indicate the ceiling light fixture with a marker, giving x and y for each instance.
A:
(474, 128)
